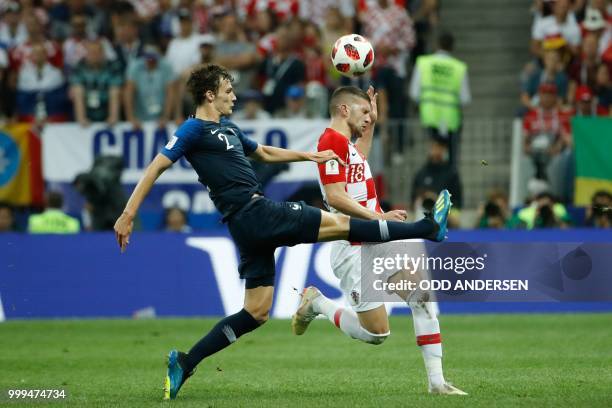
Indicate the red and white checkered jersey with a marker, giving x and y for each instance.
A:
(356, 174)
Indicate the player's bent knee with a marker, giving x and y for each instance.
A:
(261, 315)
(376, 338)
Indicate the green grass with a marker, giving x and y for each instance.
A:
(500, 360)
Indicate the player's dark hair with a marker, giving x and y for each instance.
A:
(446, 41)
(343, 92)
(206, 78)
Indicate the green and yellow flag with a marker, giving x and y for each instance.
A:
(593, 147)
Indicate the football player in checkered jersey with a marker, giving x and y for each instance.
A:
(349, 188)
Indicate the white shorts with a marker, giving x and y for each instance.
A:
(346, 265)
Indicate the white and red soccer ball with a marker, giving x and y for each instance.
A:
(352, 55)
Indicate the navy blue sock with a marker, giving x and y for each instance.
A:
(225, 332)
(383, 231)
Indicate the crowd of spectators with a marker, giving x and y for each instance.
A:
(571, 45)
(108, 61)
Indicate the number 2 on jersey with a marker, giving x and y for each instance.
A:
(223, 137)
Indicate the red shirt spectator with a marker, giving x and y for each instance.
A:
(36, 35)
(390, 30)
(547, 118)
(586, 104)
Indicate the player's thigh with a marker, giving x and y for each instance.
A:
(258, 301)
(333, 227)
(375, 321)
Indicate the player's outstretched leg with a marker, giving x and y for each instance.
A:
(314, 303)
(433, 227)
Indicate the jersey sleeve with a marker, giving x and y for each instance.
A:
(179, 143)
(332, 171)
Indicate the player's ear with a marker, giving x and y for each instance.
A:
(210, 96)
(345, 110)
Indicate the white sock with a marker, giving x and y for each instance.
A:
(427, 331)
(346, 320)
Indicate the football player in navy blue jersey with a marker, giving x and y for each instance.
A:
(217, 150)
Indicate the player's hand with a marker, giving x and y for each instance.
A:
(395, 215)
(325, 156)
(123, 229)
(373, 97)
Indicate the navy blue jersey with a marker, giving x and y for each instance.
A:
(217, 152)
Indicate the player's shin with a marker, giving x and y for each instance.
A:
(383, 231)
(225, 332)
(427, 331)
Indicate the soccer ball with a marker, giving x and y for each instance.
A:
(352, 55)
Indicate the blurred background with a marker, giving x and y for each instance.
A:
(92, 89)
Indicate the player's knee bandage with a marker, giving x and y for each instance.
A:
(376, 339)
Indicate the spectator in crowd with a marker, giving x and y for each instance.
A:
(175, 220)
(599, 213)
(585, 103)
(7, 218)
(252, 108)
(594, 23)
(13, 31)
(148, 93)
(183, 53)
(552, 72)
(438, 174)
(161, 27)
(603, 89)
(128, 46)
(53, 220)
(41, 90)
(440, 85)
(495, 213)
(182, 50)
(546, 130)
(74, 46)
(36, 35)
(234, 52)
(492, 217)
(295, 104)
(207, 48)
(281, 69)
(425, 16)
(583, 70)
(560, 24)
(316, 11)
(334, 28)
(62, 15)
(544, 212)
(390, 30)
(262, 25)
(95, 87)
(316, 88)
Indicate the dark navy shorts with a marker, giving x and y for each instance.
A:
(263, 225)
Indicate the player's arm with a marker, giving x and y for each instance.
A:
(338, 198)
(271, 154)
(364, 143)
(125, 222)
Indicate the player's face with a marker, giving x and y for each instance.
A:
(359, 117)
(224, 100)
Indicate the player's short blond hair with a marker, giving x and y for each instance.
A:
(343, 95)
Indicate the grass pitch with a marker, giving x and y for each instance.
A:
(500, 360)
